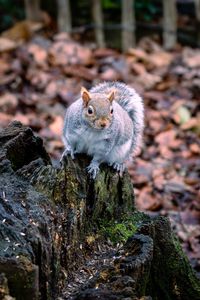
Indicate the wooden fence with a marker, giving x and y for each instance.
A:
(128, 20)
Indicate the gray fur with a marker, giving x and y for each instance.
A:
(115, 144)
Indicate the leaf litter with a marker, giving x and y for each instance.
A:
(39, 78)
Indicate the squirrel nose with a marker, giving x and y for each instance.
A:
(103, 125)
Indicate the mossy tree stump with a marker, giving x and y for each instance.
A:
(47, 214)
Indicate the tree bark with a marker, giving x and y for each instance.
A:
(128, 24)
(32, 10)
(64, 16)
(48, 215)
(98, 22)
(169, 24)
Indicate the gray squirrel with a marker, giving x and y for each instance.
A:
(106, 123)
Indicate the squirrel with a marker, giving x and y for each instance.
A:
(106, 123)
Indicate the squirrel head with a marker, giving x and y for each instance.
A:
(97, 109)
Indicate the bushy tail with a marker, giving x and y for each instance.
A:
(131, 102)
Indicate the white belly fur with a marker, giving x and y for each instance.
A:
(88, 141)
(94, 144)
(120, 153)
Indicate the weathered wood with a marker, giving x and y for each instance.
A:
(45, 213)
(98, 22)
(64, 16)
(32, 10)
(150, 264)
(169, 24)
(48, 214)
(4, 291)
(128, 24)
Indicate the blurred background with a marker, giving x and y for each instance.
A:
(49, 49)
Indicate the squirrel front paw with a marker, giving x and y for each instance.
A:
(93, 169)
(67, 151)
(119, 167)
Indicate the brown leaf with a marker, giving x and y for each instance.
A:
(141, 173)
(192, 123)
(7, 78)
(110, 75)
(24, 119)
(145, 200)
(139, 54)
(176, 185)
(22, 31)
(38, 53)
(195, 148)
(5, 119)
(4, 65)
(69, 53)
(57, 126)
(166, 152)
(104, 52)
(38, 79)
(159, 182)
(80, 71)
(160, 59)
(148, 80)
(155, 125)
(8, 103)
(166, 138)
(51, 88)
(153, 95)
(191, 179)
(191, 217)
(7, 44)
(167, 84)
(149, 45)
(138, 68)
(191, 57)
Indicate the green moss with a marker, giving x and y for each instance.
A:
(120, 231)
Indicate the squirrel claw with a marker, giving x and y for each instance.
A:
(120, 167)
(93, 170)
(67, 152)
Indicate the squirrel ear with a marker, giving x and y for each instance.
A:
(111, 96)
(85, 96)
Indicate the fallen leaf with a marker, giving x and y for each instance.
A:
(7, 44)
(8, 102)
(191, 57)
(190, 124)
(148, 80)
(160, 59)
(146, 201)
(184, 114)
(195, 148)
(22, 31)
(176, 186)
(139, 54)
(5, 119)
(138, 68)
(38, 53)
(69, 53)
(80, 71)
(57, 126)
(166, 138)
(110, 75)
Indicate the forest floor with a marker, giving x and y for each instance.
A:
(41, 77)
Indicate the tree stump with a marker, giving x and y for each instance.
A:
(51, 222)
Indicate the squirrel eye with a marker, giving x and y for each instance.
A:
(111, 110)
(90, 110)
